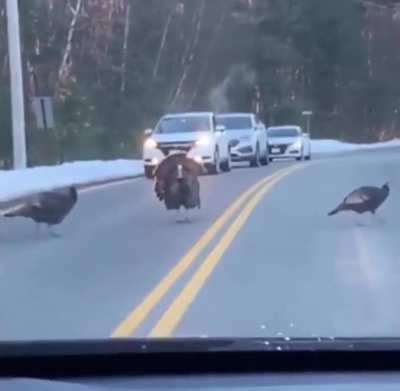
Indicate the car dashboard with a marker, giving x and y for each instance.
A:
(197, 364)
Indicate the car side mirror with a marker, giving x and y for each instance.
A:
(148, 132)
(306, 135)
(220, 128)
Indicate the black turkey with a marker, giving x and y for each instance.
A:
(362, 200)
(51, 207)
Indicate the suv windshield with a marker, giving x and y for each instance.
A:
(235, 122)
(283, 132)
(183, 125)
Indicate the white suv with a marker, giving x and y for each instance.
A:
(247, 138)
(288, 142)
(197, 134)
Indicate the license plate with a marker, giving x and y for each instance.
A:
(276, 150)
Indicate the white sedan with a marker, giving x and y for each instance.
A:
(247, 138)
(197, 134)
(288, 142)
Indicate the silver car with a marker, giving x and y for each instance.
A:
(247, 138)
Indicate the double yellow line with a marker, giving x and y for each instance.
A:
(171, 317)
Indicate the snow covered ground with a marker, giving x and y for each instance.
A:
(334, 146)
(19, 183)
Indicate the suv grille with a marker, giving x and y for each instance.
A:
(167, 147)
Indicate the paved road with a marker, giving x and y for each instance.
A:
(274, 265)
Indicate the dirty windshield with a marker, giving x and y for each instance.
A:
(199, 168)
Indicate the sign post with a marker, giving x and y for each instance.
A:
(308, 114)
(43, 109)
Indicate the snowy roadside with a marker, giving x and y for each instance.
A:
(334, 146)
(22, 183)
(17, 184)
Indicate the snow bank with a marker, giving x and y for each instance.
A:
(19, 183)
(334, 146)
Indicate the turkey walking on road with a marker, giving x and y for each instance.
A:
(177, 182)
(50, 208)
(364, 199)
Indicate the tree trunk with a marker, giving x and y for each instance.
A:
(163, 42)
(188, 61)
(127, 29)
(62, 72)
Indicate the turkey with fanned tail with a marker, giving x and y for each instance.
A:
(177, 183)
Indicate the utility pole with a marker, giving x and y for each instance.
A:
(17, 87)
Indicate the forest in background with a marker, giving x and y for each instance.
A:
(114, 66)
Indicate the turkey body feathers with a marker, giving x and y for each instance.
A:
(50, 208)
(177, 182)
(364, 199)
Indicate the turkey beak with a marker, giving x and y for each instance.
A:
(180, 171)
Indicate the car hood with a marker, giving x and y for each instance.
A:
(282, 140)
(238, 134)
(178, 137)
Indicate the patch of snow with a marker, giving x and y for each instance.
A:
(20, 183)
(335, 146)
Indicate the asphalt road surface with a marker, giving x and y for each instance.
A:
(261, 258)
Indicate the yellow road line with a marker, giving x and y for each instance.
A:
(140, 313)
(177, 309)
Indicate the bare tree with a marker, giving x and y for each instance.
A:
(189, 58)
(66, 59)
(127, 28)
(163, 40)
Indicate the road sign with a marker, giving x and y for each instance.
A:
(43, 109)
(308, 114)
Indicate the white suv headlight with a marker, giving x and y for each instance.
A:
(203, 141)
(296, 145)
(150, 144)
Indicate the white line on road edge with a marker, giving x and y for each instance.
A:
(108, 185)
